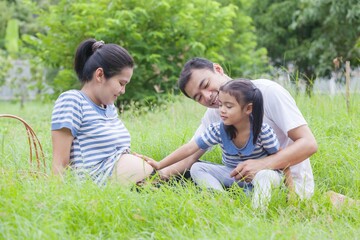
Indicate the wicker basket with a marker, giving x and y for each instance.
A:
(34, 144)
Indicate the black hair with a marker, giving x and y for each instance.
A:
(245, 92)
(91, 55)
(195, 63)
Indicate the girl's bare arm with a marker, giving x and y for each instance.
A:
(179, 154)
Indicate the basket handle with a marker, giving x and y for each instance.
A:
(33, 142)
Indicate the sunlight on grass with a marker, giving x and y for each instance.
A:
(40, 207)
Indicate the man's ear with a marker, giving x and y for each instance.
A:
(218, 68)
(99, 74)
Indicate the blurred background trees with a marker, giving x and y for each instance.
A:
(248, 38)
(160, 34)
(308, 34)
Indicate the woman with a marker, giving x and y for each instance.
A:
(87, 134)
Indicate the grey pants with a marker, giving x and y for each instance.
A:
(216, 176)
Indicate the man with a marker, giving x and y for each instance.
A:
(201, 79)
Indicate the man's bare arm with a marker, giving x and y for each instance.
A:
(303, 147)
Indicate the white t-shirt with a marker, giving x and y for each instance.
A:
(282, 114)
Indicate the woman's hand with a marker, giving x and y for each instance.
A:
(149, 160)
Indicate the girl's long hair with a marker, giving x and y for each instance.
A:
(245, 92)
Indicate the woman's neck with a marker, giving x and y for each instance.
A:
(87, 90)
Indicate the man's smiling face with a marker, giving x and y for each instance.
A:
(204, 84)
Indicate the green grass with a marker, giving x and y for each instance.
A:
(39, 207)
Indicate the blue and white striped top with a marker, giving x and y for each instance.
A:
(99, 136)
(266, 144)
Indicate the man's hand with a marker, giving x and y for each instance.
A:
(246, 170)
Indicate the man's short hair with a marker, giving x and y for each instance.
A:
(185, 75)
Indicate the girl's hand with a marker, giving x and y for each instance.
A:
(149, 160)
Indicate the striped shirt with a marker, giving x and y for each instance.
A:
(99, 136)
(266, 144)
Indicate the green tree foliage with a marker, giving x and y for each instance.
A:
(17, 19)
(160, 34)
(5, 16)
(337, 33)
(24, 13)
(4, 66)
(242, 55)
(307, 33)
(12, 36)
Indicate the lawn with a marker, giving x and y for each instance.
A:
(44, 207)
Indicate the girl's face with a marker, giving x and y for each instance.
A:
(231, 111)
(110, 89)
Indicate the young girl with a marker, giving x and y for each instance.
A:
(87, 134)
(242, 135)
